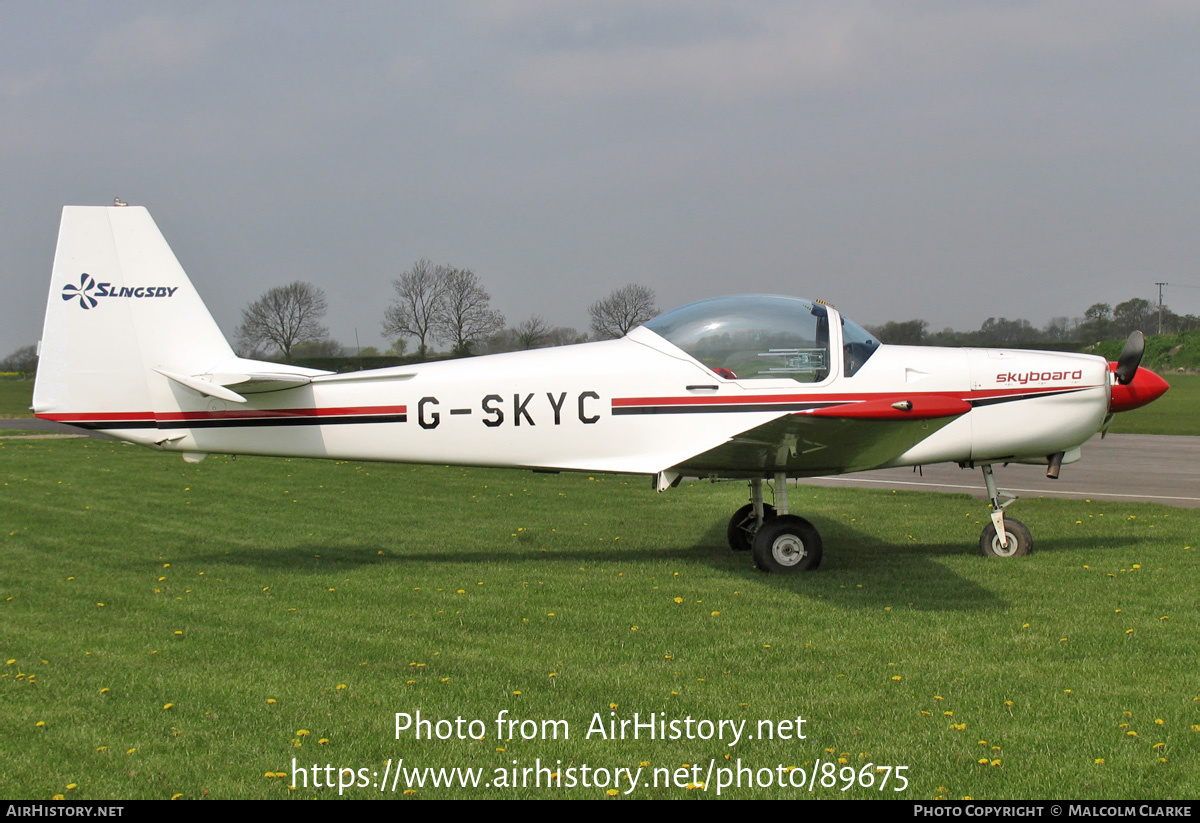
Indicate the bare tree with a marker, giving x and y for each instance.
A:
(418, 303)
(23, 361)
(283, 317)
(625, 308)
(465, 316)
(533, 333)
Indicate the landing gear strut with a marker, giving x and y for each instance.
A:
(1003, 537)
(780, 542)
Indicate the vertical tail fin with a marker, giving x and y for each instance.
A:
(120, 306)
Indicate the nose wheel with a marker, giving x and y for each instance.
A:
(1004, 536)
(1017, 537)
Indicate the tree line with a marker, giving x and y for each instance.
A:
(430, 304)
(1101, 321)
(449, 305)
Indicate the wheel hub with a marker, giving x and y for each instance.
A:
(1004, 551)
(788, 550)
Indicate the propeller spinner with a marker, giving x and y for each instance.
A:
(1134, 386)
(1131, 358)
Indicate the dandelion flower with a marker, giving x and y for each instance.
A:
(612, 792)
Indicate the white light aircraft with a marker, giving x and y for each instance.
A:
(758, 387)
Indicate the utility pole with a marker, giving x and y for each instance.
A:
(1160, 305)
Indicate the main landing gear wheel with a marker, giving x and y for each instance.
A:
(1020, 541)
(787, 544)
(743, 526)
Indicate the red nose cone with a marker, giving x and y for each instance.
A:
(1146, 387)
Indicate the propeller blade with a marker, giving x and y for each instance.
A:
(1131, 358)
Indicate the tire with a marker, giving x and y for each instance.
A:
(742, 526)
(1020, 541)
(787, 544)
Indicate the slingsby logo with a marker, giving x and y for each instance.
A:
(88, 291)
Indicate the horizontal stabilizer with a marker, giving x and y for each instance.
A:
(257, 382)
(204, 386)
(216, 385)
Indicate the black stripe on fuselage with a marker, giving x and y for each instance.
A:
(239, 423)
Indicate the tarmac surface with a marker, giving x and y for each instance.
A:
(1137, 467)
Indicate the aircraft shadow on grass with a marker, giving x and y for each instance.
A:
(866, 573)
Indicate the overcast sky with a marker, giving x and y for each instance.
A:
(948, 161)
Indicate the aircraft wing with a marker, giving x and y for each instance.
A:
(833, 439)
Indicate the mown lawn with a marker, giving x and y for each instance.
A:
(190, 629)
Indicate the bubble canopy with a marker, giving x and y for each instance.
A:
(763, 336)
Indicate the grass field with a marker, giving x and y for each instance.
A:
(15, 398)
(190, 629)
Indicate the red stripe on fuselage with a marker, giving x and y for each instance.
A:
(816, 397)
